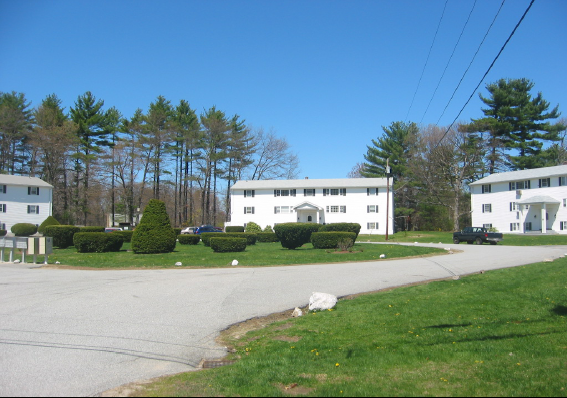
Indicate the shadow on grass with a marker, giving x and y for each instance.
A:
(444, 326)
(560, 310)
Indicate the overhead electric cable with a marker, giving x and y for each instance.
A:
(472, 60)
(486, 73)
(448, 62)
(427, 60)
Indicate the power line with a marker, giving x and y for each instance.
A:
(472, 60)
(427, 60)
(448, 62)
(486, 73)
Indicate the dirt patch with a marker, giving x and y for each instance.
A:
(294, 389)
(288, 339)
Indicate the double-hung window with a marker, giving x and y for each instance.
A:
(562, 181)
(487, 188)
(282, 209)
(284, 192)
(33, 190)
(334, 191)
(249, 193)
(249, 210)
(516, 185)
(33, 209)
(487, 208)
(336, 209)
(514, 206)
(372, 225)
(308, 192)
(2, 207)
(563, 225)
(487, 226)
(544, 182)
(514, 226)
(372, 209)
(371, 191)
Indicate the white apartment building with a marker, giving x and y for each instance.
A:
(522, 201)
(323, 201)
(24, 200)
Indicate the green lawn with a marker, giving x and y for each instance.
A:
(501, 333)
(260, 254)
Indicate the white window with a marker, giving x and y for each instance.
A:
(249, 193)
(519, 185)
(564, 202)
(527, 226)
(514, 206)
(343, 191)
(487, 188)
(562, 226)
(487, 226)
(3, 226)
(371, 191)
(372, 225)
(544, 182)
(2, 208)
(308, 192)
(334, 209)
(282, 209)
(249, 210)
(3, 189)
(514, 226)
(562, 181)
(487, 208)
(284, 192)
(334, 192)
(33, 209)
(342, 209)
(33, 190)
(372, 209)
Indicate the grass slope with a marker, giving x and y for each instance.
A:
(501, 333)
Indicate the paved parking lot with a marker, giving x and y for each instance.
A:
(79, 333)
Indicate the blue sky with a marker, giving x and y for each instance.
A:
(326, 75)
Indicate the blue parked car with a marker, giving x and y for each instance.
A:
(207, 228)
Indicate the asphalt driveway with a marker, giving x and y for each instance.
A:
(78, 333)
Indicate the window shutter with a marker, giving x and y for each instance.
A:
(367, 191)
(245, 210)
(37, 191)
(253, 210)
(293, 192)
(324, 192)
(37, 210)
(28, 207)
(560, 182)
(275, 193)
(483, 208)
(549, 182)
(561, 226)
(29, 192)
(509, 186)
(368, 209)
(245, 193)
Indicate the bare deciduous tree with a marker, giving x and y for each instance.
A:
(273, 159)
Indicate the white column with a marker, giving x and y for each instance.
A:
(543, 219)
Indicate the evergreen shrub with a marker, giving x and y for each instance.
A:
(47, 222)
(91, 229)
(341, 227)
(62, 234)
(250, 238)
(97, 242)
(206, 236)
(293, 235)
(330, 240)
(252, 228)
(235, 228)
(268, 229)
(267, 237)
(177, 231)
(3, 232)
(187, 239)
(24, 229)
(227, 245)
(126, 235)
(154, 233)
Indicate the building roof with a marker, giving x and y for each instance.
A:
(538, 200)
(543, 172)
(6, 179)
(308, 183)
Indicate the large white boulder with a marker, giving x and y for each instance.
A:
(322, 301)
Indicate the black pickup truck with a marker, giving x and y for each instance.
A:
(476, 235)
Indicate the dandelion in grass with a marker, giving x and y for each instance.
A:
(337, 365)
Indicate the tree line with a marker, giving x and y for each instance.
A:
(431, 166)
(100, 162)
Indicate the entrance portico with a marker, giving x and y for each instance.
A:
(309, 212)
(546, 203)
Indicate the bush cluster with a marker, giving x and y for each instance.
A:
(47, 222)
(267, 237)
(330, 240)
(188, 239)
(235, 228)
(250, 238)
(294, 235)
(3, 232)
(341, 227)
(154, 233)
(206, 237)
(226, 245)
(91, 229)
(24, 229)
(62, 235)
(97, 242)
(126, 235)
(252, 228)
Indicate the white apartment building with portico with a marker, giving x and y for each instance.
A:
(522, 201)
(322, 201)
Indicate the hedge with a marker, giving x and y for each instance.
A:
(206, 236)
(341, 227)
(154, 233)
(126, 235)
(235, 228)
(187, 239)
(97, 242)
(267, 237)
(47, 222)
(294, 235)
(226, 245)
(91, 229)
(250, 238)
(62, 235)
(24, 229)
(330, 240)
(177, 231)
(3, 232)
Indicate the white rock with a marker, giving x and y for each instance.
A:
(382, 256)
(16, 261)
(448, 249)
(321, 301)
(456, 278)
(234, 262)
(57, 262)
(297, 312)
(178, 264)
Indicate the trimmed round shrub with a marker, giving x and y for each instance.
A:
(126, 235)
(97, 242)
(250, 238)
(24, 229)
(177, 231)
(330, 240)
(206, 236)
(235, 228)
(267, 237)
(227, 245)
(293, 235)
(47, 222)
(341, 227)
(91, 229)
(268, 229)
(62, 235)
(3, 232)
(187, 239)
(154, 233)
(252, 228)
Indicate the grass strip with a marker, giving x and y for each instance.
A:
(500, 333)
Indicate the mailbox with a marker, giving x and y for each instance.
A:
(21, 243)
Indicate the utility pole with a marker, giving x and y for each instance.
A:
(387, 196)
